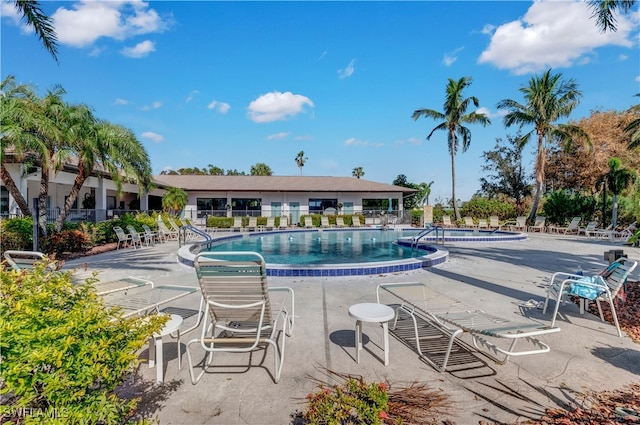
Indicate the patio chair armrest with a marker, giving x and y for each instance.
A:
(289, 316)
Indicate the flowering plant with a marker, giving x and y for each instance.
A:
(354, 402)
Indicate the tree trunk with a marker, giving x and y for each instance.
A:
(73, 194)
(42, 201)
(540, 163)
(453, 179)
(14, 191)
(614, 213)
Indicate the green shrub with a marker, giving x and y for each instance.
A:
(480, 207)
(353, 402)
(65, 241)
(16, 233)
(63, 352)
(560, 207)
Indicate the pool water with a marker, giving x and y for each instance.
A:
(325, 247)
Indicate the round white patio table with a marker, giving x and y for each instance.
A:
(155, 345)
(373, 313)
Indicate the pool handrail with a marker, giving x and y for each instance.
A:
(182, 235)
(425, 232)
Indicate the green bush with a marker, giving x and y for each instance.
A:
(65, 241)
(353, 402)
(17, 233)
(480, 207)
(560, 207)
(63, 351)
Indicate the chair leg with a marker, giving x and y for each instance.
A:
(615, 317)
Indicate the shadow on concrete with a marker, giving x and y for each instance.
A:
(623, 358)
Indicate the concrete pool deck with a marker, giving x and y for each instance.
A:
(586, 355)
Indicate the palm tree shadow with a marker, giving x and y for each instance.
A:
(623, 358)
(152, 396)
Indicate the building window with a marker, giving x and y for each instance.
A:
(379, 204)
(319, 205)
(211, 205)
(4, 201)
(246, 204)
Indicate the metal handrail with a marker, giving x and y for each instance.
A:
(182, 235)
(425, 232)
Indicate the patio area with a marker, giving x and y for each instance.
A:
(499, 278)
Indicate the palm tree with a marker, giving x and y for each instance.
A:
(603, 11)
(453, 119)
(109, 146)
(548, 99)
(15, 104)
(41, 23)
(261, 169)
(617, 180)
(301, 160)
(424, 192)
(633, 129)
(357, 172)
(174, 199)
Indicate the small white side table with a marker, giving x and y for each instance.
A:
(155, 346)
(374, 313)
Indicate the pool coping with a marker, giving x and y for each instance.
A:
(186, 256)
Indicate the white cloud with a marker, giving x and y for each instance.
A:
(192, 95)
(488, 29)
(88, 20)
(348, 71)
(322, 55)
(155, 105)
(154, 137)
(120, 101)
(489, 114)
(352, 141)
(140, 50)
(278, 136)
(221, 107)
(277, 106)
(451, 57)
(411, 141)
(308, 137)
(415, 141)
(552, 34)
(638, 78)
(8, 10)
(623, 57)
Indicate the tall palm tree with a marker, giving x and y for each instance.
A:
(547, 99)
(425, 191)
(41, 23)
(15, 104)
(357, 172)
(617, 180)
(301, 160)
(604, 12)
(453, 118)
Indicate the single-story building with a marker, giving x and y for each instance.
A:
(264, 196)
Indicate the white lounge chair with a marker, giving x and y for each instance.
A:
(284, 222)
(242, 314)
(237, 224)
(253, 224)
(483, 224)
(538, 225)
(494, 222)
(520, 223)
(324, 222)
(428, 321)
(124, 238)
(468, 222)
(355, 220)
(136, 237)
(168, 233)
(589, 230)
(602, 287)
(154, 236)
(339, 221)
(19, 260)
(572, 228)
(446, 221)
(271, 223)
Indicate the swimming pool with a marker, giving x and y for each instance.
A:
(338, 252)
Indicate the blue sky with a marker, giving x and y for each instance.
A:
(233, 84)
